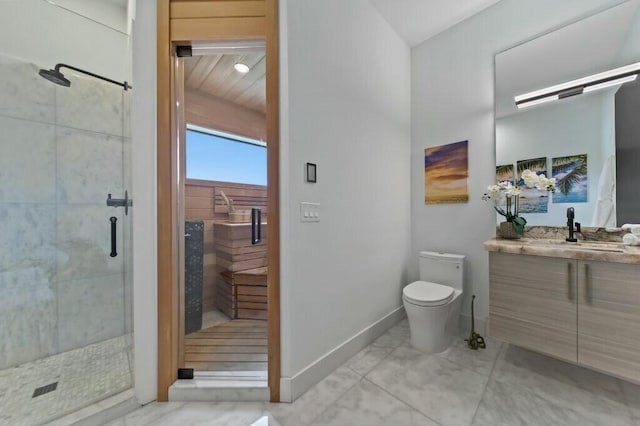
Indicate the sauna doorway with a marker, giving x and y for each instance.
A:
(223, 141)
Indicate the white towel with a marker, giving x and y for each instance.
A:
(631, 240)
(605, 212)
(634, 228)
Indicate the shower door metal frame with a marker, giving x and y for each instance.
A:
(181, 22)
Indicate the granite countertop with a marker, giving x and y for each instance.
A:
(583, 250)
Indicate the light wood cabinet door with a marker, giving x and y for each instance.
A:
(532, 303)
(609, 318)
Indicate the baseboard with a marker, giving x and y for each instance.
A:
(465, 325)
(292, 387)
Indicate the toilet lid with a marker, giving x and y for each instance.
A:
(425, 293)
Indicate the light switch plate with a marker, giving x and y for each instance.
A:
(309, 212)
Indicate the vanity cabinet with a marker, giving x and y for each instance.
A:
(585, 312)
(532, 303)
(609, 317)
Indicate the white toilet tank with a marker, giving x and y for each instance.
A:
(442, 268)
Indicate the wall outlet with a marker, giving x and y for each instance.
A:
(309, 212)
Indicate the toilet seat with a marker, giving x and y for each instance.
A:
(425, 293)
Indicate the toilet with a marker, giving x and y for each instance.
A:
(433, 303)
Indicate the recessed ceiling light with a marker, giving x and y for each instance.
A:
(240, 67)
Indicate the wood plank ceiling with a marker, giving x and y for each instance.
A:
(215, 76)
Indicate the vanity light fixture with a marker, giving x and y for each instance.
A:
(577, 87)
(241, 68)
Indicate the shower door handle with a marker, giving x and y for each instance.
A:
(256, 226)
(113, 221)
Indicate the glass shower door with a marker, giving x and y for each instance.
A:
(65, 316)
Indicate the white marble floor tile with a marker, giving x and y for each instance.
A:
(400, 330)
(149, 414)
(371, 356)
(440, 389)
(367, 404)
(199, 413)
(631, 394)
(481, 360)
(204, 413)
(563, 383)
(505, 404)
(312, 403)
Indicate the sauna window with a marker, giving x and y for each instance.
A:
(218, 156)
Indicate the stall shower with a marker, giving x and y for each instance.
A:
(66, 311)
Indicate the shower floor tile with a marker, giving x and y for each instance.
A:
(83, 376)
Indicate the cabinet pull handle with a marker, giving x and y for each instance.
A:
(569, 281)
(587, 284)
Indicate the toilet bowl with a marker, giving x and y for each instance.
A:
(433, 304)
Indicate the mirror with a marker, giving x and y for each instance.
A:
(589, 142)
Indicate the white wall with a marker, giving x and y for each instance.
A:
(145, 289)
(54, 35)
(112, 13)
(452, 99)
(349, 113)
(574, 126)
(347, 100)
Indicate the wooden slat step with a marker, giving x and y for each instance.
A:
(225, 342)
(218, 335)
(218, 357)
(238, 323)
(227, 366)
(252, 313)
(226, 349)
(240, 331)
(248, 298)
(252, 305)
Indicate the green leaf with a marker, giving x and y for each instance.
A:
(565, 184)
(518, 224)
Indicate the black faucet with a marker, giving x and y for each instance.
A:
(570, 224)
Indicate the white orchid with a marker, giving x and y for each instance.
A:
(512, 192)
(541, 182)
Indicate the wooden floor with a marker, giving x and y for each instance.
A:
(236, 345)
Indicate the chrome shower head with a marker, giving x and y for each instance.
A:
(55, 76)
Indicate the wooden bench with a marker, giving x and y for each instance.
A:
(243, 294)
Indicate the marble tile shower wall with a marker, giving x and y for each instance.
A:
(61, 151)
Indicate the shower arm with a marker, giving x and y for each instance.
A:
(124, 85)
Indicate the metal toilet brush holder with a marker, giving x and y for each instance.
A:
(475, 341)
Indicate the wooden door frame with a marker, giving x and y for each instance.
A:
(168, 191)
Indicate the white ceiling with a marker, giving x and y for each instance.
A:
(417, 20)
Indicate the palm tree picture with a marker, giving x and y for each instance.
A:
(532, 200)
(571, 178)
(505, 173)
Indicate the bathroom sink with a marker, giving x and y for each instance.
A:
(581, 245)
